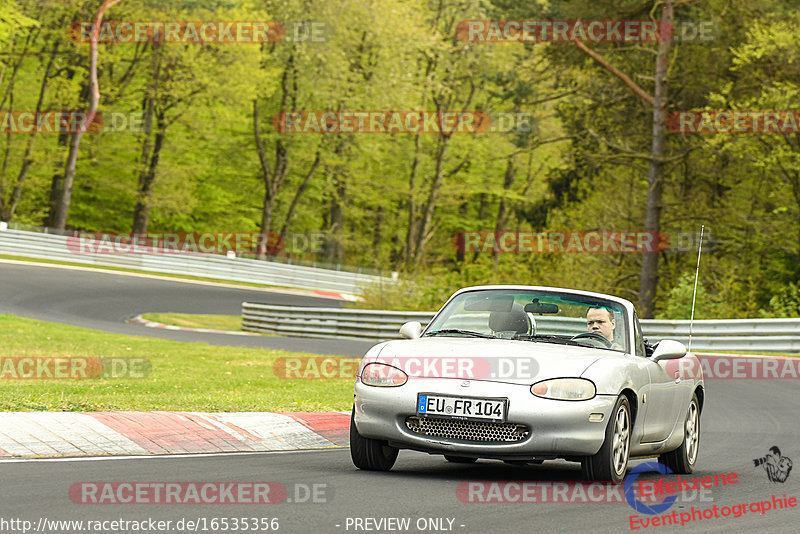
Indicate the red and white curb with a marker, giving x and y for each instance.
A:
(55, 434)
(340, 296)
(153, 324)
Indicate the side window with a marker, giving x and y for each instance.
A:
(638, 339)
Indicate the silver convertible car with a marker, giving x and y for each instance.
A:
(525, 374)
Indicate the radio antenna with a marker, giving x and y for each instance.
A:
(696, 275)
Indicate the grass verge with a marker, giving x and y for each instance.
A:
(228, 323)
(183, 376)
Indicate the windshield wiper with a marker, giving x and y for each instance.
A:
(469, 333)
(548, 339)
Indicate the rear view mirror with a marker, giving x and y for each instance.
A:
(540, 307)
(411, 330)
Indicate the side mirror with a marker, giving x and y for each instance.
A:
(411, 330)
(668, 349)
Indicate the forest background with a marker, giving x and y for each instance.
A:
(197, 151)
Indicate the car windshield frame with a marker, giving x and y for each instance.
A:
(568, 301)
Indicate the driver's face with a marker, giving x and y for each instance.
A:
(600, 322)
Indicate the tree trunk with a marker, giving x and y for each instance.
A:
(147, 177)
(335, 247)
(298, 194)
(502, 209)
(62, 207)
(433, 197)
(65, 193)
(27, 160)
(655, 182)
(56, 184)
(273, 178)
(412, 204)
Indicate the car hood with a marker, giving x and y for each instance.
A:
(517, 362)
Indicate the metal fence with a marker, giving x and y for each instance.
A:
(770, 335)
(54, 247)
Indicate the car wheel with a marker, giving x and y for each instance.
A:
(611, 461)
(682, 459)
(370, 454)
(460, 459)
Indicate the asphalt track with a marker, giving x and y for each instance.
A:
(741, 420)
(104, 300)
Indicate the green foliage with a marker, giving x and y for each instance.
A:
(580, 168)
(679, 301)
(429, 291)
(12, 19)
(786, 303)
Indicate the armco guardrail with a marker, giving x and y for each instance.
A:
(52, 246)
(326, 322)
(763, 335)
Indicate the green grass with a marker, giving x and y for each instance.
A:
(229, 323)
(184, 376)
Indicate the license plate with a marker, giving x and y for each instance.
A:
(462, 407)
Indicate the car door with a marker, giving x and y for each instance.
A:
(661, 394)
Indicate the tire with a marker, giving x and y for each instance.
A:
(681, 461)
(370, 454)
(460, 459)
(611, 461)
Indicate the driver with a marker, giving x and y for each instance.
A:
(601, 321)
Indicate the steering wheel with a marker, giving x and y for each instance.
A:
(592, 335)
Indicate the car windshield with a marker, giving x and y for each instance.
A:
(535, 316)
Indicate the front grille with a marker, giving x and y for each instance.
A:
(476, 431)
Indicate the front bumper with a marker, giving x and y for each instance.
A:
(556, 429)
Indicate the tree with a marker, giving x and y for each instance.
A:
(59, 219)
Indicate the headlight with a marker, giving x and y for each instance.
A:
(564, 389)
(382, 375)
